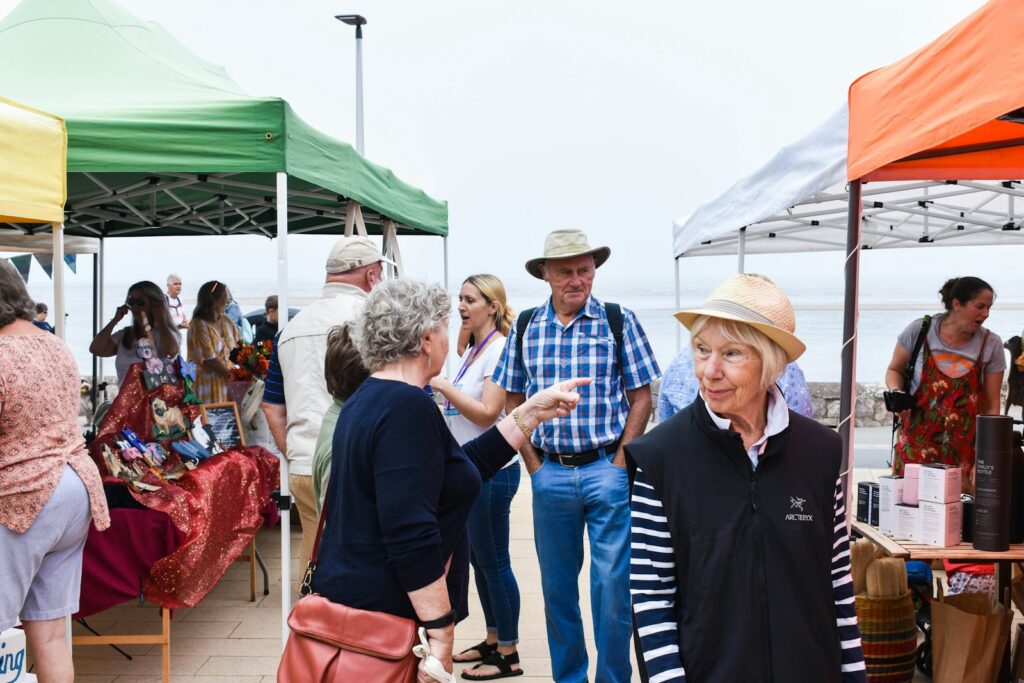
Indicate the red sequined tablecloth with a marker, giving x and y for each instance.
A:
(216, 508)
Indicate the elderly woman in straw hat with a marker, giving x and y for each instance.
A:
(740, 564)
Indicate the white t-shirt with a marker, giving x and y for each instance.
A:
(472, 384)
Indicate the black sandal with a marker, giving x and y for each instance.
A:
(504, 664)
(484, 648)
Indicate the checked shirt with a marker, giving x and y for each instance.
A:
(583, 348)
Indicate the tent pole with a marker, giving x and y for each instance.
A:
(101, 277)
(679, 328)
(741, 251)
(447, 362)
(360, 147)
(95, 328)
(58, 279)
(284, 499)
(848, 386)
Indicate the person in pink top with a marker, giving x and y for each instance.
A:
(50, 490)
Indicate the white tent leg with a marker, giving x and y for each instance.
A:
(741, 251)
(447, 370)
(285, 495)
(101, 282)
(679, 328)
(58, 279)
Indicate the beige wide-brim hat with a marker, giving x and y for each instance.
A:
(566, 244)
(756, 301)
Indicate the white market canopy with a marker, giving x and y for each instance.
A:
(798, 202)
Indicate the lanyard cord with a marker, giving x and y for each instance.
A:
(469, 360)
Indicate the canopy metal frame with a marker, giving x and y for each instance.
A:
(894, 215)
(210, 204)
(879, 215)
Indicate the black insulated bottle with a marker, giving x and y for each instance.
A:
(993, 482)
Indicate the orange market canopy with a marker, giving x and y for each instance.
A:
(953, 111)
(938, 139)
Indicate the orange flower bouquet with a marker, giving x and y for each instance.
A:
(251, 361)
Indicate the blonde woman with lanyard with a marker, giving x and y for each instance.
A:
(473, 403)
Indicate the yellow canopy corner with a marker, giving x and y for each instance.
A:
(33, 161)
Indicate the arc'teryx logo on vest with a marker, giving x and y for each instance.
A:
(796, 503)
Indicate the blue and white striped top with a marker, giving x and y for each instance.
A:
(652, 583)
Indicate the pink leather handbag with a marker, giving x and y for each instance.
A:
(332, 643)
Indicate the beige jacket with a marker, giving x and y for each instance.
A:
(301, 349)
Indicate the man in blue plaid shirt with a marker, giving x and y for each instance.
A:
(576, 464)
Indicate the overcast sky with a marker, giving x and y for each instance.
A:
(527, 116)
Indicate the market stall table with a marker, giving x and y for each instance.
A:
(963, 552)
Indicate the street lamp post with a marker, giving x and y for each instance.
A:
(358, 21)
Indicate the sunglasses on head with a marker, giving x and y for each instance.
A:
(135, 302)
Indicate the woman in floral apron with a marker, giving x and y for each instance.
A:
(957, 376)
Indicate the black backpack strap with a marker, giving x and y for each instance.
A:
(522, 322)
(614, 312)
(908, 369)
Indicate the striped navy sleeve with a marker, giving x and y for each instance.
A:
(652, 585)
(842, 587)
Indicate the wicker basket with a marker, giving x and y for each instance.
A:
(889, 637)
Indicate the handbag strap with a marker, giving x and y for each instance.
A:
(307, 578)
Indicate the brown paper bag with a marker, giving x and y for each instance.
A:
(970, 635)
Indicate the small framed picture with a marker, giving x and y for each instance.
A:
(224, 421)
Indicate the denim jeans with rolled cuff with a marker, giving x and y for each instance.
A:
(492, 565)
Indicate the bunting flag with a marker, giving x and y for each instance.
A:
(72, 261)
(46, 261)
(22, 264)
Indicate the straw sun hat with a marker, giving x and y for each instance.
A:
(757, 301)
(566, 244)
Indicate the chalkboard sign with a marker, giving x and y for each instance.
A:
(223, 420)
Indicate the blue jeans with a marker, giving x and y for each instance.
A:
(564, 500)
(488, 542)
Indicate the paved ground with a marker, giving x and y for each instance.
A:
(228, 639)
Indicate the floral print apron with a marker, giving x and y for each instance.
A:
(941, 426)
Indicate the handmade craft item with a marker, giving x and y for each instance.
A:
(168, 422)
(188, 375)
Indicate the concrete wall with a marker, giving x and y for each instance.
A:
(871, 410)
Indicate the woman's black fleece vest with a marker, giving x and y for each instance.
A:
(753, 548)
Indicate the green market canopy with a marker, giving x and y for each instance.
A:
(161, 142)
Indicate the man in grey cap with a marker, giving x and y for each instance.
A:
(577, 465)
(295, 395)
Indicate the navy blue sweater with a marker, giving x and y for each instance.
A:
(399, 496)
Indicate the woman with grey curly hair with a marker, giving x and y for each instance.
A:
(50, 488)
(401, 487)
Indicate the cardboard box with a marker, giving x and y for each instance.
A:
(867, 502)
(874, 505)
(911, 483)
(940, 523)
(940, 483)
(13, 666)
(908, 523)
(890, 494)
